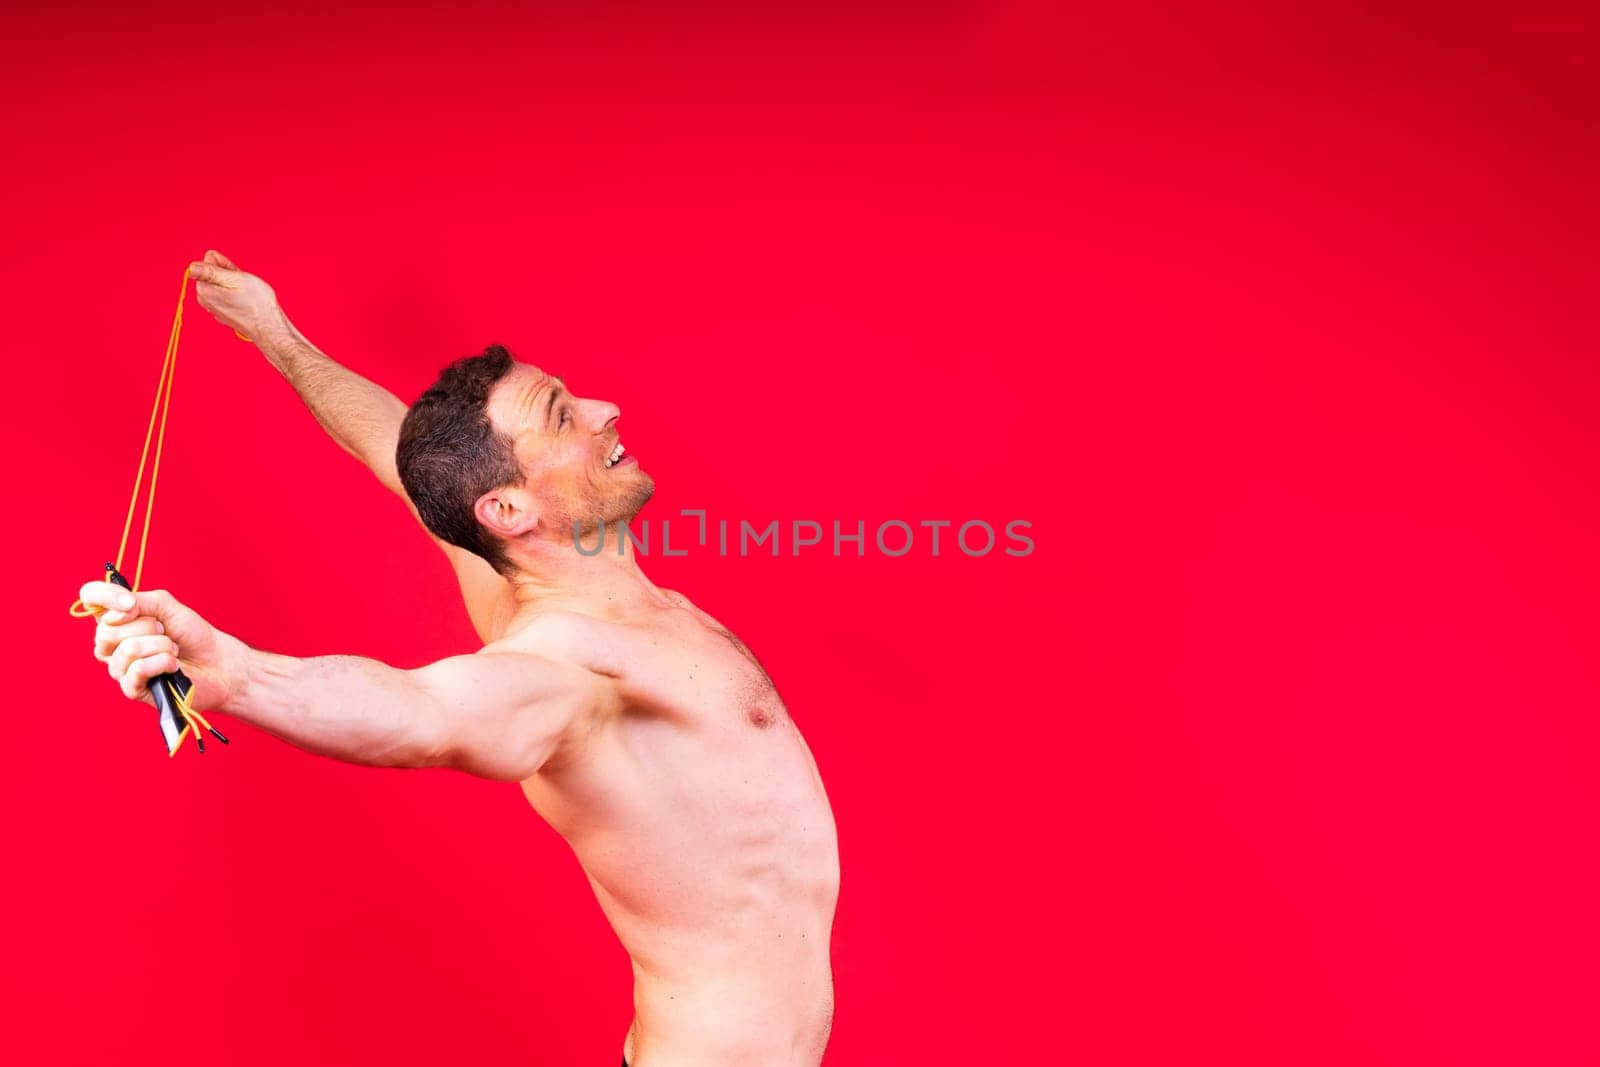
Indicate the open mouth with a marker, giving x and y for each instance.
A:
(619, 455)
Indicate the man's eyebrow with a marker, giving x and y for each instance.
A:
(555, 391)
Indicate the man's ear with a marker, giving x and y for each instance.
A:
(509, 511)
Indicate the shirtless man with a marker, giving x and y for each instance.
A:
(638, 727)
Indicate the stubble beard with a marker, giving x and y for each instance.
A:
(614, 511)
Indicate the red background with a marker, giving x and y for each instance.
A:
(1276, 323)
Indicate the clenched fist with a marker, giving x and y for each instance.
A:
(239, 300)
(143, 635)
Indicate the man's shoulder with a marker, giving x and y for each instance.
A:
(571, 637)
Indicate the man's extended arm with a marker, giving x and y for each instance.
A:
(362, 416)
(496, 715)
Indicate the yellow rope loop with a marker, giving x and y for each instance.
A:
(194, 722)
(78, 609)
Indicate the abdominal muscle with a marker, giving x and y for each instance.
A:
(776, 1010)
(713, 854)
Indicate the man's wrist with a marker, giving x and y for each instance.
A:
(280, 342)
(238, 663)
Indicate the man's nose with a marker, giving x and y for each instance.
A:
(603, 413)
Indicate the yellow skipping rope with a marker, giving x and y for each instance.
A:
(170, 691)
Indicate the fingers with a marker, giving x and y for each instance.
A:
(137, 649)
(130, 637)
(107, 636)
(119, 605)
(111, 598)
(137, 661)
(213, 256)
(210, 273)
(157, 602)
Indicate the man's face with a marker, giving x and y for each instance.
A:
(569, 451)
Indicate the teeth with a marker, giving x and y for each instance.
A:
(616, 454)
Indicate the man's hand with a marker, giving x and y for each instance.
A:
(142, 635)
(238, 300)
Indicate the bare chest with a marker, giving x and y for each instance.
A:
(687, 667)
(699, 731)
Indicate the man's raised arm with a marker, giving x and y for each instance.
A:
(362, 416)
(494, 715)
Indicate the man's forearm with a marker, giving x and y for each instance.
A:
(348, 707)
(361, 415)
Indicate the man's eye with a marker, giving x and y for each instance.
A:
(566, 416)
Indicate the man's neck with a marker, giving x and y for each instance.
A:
(555, 576)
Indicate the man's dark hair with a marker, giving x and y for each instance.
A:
(450, 454)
